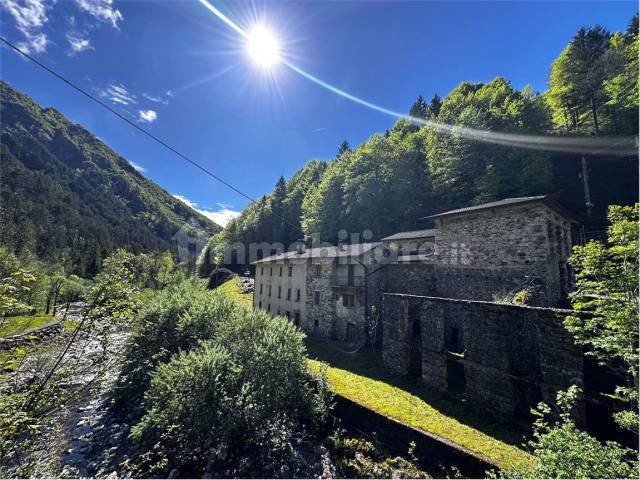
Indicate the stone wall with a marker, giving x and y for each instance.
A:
(503, 358)
(320, 318)
(531, 238)
(459, 281)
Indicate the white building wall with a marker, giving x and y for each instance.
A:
(282, 297)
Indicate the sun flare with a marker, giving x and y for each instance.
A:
(263, 47)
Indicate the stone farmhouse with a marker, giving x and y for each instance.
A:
(435, 301)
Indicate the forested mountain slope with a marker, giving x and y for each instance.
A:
(66, 197)
(392, 181)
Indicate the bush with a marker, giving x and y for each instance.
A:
(239, 405)
(564, 451)
(174, 319)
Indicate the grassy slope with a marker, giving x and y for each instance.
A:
(22, 323)
(360, 378)
(232, 290)
(412, 410)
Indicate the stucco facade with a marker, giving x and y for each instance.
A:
(281, 289)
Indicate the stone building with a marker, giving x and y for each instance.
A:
(485, 252)
(435, 300)
(321, 289)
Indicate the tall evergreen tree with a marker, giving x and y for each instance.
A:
(434, 107)
(420, 108)
(344, 148)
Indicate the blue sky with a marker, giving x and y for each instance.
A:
(186, 76)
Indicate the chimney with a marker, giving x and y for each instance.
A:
(340, 246)
(300, 246)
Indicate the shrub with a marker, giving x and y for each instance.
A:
(562, 450)
(174, 319)
(239, 405)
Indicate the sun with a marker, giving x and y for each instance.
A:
(262, 46)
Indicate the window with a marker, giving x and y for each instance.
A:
(316, 323)
(296, 318)
(290, 271)
(260, 289)
(279, 291)
(348, 300)
(298, 295)
(271, 271)
(260, 304)
(280, 271)
(453, 339)
(278, 310)
(287, 314)
(316, 297)
(268, 307)
(269, 290)
(261, 270)
(318, 270)
(288, 294)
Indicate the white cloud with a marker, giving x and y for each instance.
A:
(222, 216)
(139, 168)
(78, 44)
(118, 94)
(147, 116)
(103, 10)
(151, 98)
(30, 17)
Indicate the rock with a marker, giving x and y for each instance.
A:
(173, 473)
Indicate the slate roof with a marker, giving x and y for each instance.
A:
(329, 251)
(505, 203)
(430, 232)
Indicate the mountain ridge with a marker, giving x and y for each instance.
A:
(68, 197)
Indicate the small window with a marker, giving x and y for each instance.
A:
(261, 289)
(288, 294)
(271, 271)
(453, 340)
(318, 270)
(287, 314)
(278, 311)
(280, 271)
(279, 291)
(260, 304)
(348, 300)
(297, 295)
(268, 307)
(269, 290)
(316, 323)
(316, 297)
(261, 270)
(296, 318)
(291, 271)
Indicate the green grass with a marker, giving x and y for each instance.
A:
(364, 382)
(21, 323)
(232, 290)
